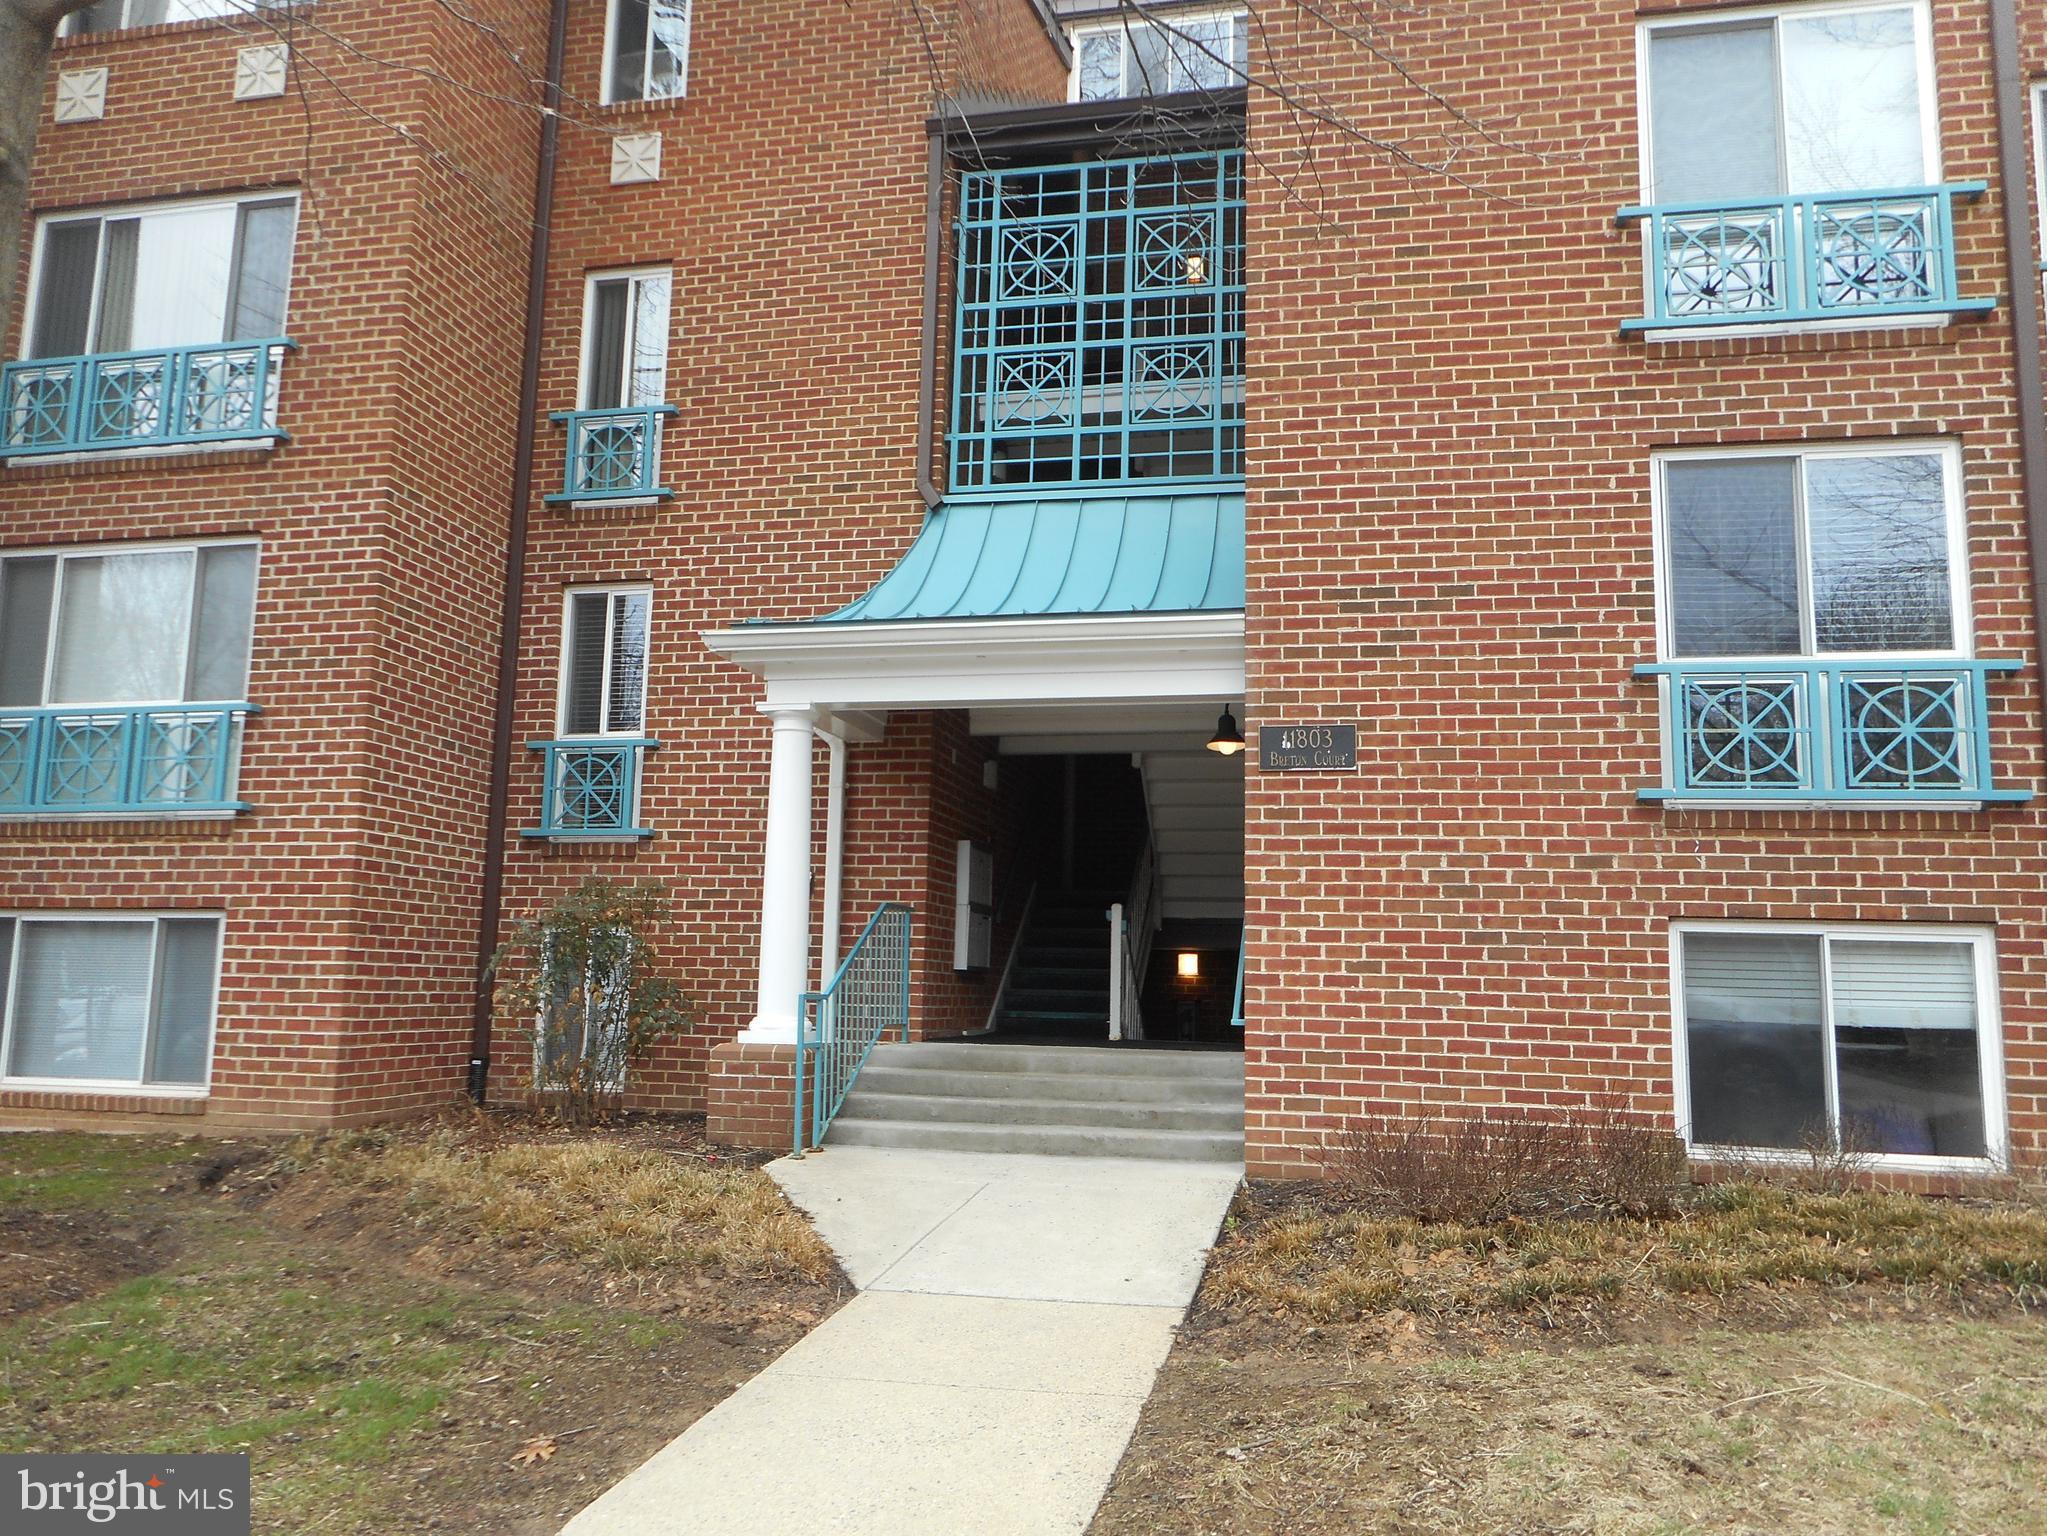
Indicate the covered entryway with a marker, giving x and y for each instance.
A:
(1093, 630)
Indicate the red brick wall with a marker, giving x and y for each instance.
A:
(350, 890)
(791, 207)
(1450, 544)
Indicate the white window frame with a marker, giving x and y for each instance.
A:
(64, 553)
(1930, 153)
(2040, 168)
(632, 275)
(126, 1087)
(608, 96)
(608, 589)
(1960, 586)
(1922, 31)
(1078, 32)
(105, 213)
(1989, 1039)
(1960, 590)
(228, 8)
(540, 1033)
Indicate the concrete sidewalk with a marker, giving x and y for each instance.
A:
(1012, 1313)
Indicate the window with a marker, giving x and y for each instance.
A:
(2040, 164)
(1814, 100)
(1882, 1040)
(113, 15)
(1133, 57)
(1820, 552)
(646, 53)
(143, 626)
(625, 340)
(604, 663)
(584, 1029)
(104, 1000)
(184, 275)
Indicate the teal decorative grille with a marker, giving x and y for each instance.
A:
(1100, 326)
(592, 787)
(1830, 730)
(1832, 257)
(614, 455)
(172, 759)
(225, 392)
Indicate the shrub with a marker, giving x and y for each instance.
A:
(580, 981)
(1488, 1166)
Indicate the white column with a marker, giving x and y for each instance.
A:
(785, 882)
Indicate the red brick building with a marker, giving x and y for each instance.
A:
(1594, 456)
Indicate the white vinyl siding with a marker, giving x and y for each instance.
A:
(109, 1001)
(1883, 1039)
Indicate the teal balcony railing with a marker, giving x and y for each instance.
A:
(1835, 256)
(159, 759)
(614, 455)
(223, 392)
(592, 787)
(1886, 731)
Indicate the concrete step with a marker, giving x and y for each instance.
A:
(1047, 1060)
(919, 1082)
(1064, 1141)
(865, 1103)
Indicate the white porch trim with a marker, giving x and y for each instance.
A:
(963, 663)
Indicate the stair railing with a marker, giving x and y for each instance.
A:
(1132, 923)
(867, 997)
(1243, 965)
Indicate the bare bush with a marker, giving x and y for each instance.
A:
(1488, 1166)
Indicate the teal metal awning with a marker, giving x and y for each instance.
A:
(1018, 557)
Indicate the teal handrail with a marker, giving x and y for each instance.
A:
(218, 392)
(1815, 256)
(1243, 964)
(614, 454)
(868, 997)
(1757, 732)
(592, 787)
(157, 759)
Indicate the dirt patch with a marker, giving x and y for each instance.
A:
(388, 1368)
(52, 1258)
(645, 1214)
(1763, 1361)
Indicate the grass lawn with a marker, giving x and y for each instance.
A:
(1767, 1361)
(461, 1331)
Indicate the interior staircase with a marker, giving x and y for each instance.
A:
(1195, 802)
(1060, 1099)
(1059, 986)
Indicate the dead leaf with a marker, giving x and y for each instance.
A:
(540, 1448)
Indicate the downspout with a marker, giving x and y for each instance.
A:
(515, 553)
(834, 856)
(934, 252)
(2023, 278)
